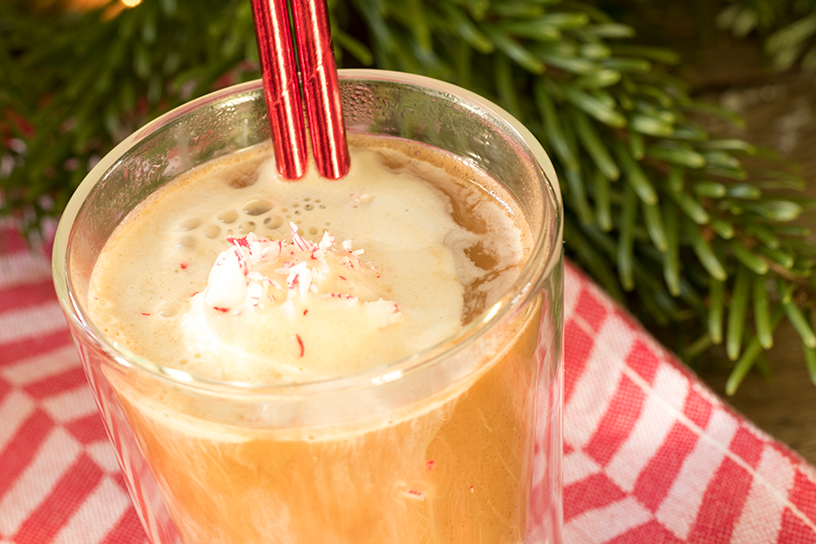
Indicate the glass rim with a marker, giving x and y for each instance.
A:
(540, 264)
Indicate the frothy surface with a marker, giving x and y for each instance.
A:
(429, 264)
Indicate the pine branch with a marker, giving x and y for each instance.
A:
(786, 27)
(662, 214)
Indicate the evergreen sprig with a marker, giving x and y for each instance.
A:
(663, 214)
(787, 28)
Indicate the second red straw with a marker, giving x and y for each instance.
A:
(321, 91)
(321, 87)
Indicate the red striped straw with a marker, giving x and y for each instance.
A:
(320, 86)
(281, 86)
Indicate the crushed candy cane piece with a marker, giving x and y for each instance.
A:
(361, 198)
(255, 272)
(415, 495)
(300, 344)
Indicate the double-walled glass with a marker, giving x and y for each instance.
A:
(460, 443)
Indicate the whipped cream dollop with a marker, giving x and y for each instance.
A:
(292, 305)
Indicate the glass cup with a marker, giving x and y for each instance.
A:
(458, 443)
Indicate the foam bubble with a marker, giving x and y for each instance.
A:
(228, 216)
(273, 221)
(169, 308)
(190, 224)
(211, 231)
(257, 207)
(187, 242)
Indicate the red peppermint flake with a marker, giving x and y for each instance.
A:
(300, 343)
(414, 494)
(300, 242)
(306, 311)
(145, 313)
(184, 265)
(218, 309)
(430, 464)
(238, 241)
(342, 277)
(295, 281)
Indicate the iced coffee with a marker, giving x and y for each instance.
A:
(324, 359)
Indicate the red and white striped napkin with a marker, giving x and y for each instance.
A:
(650, 454)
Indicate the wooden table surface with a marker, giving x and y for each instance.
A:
(780, 113)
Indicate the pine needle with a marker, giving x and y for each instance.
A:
(736, 314)
(715, 310)
(635, 176)
(750, 259)
(762, 313)
(625, 246)
(704, 252)
(671, 259)
(799, 322)
(593, 144)
(749, 357)
(654, 225)
(603, 210)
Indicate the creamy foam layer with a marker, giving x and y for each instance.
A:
(429, 264)
(172, 412)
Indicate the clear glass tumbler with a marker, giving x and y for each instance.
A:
(460, 443)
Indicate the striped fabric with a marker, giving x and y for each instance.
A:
(650, 454)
